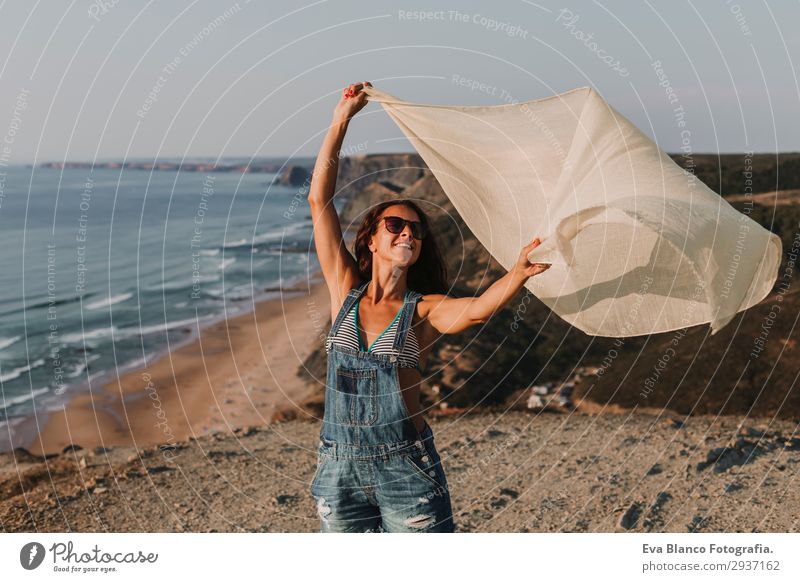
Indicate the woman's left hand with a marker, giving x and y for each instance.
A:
(524, 266)
(352, 101)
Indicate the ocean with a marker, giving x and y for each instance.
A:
(102, 270)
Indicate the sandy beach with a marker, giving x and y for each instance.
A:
(237, 372)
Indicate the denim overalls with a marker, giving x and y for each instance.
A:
(375, 470)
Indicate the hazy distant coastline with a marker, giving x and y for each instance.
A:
(271, 167)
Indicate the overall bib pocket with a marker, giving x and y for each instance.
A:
(357, 396)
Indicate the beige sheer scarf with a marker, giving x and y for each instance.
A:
(638, 245)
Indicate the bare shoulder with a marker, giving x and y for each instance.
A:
(428, 302)
(425, 331)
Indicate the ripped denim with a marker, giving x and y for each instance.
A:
(376, 472)
(380, 490)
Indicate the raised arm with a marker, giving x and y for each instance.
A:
(451, 315)
(338, 266)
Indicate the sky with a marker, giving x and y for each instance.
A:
(121, 79)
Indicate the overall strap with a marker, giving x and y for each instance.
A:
(349, 301)
(406, 319)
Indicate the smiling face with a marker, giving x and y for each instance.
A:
(402, 249)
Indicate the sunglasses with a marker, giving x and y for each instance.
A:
(395, 225)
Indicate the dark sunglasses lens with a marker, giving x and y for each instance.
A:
(394, 225)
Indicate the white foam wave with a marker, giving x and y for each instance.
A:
(8, 402)
(129, 332)
(266, 237)
(225, 263)
(17, 372)
(239, 292)
(276, 235)
(94, 334)
(284, 233)
(82, 366)
(182, 283)
(8, 341)
(114, 299)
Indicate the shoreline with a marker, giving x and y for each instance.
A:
(236, 371)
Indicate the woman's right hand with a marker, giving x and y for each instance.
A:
(352, 101)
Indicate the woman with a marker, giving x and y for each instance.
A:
(378, 468)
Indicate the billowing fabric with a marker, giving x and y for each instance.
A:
(637, 244)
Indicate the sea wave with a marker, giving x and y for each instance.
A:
(54, 303)
(192, 322)
(181, 283)
(82, 365)
(271, 237)
(122, 333)
(8, 402)
(267, 237)
(9, 341)
(93, 334)
(17, 372)
(288, 247)
(114, 299)
(239, 292)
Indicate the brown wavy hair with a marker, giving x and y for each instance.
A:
(427, 275)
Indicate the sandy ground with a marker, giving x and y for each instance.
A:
(507, 472)
(238, 372)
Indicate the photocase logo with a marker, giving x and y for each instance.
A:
(31, 555)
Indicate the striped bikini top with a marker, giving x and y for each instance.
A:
(348, 337)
